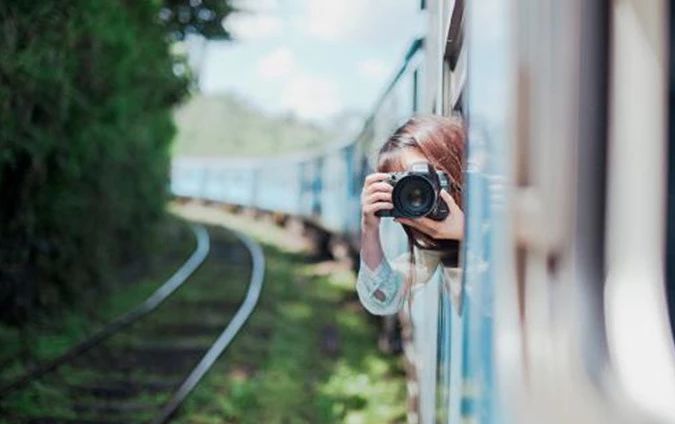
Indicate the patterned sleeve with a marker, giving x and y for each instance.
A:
(380, 290)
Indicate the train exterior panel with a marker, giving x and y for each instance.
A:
(278, 186)
(334, 195)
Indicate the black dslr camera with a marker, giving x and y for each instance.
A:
(417, 193)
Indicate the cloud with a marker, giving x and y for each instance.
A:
(312, 97)
(276, 64)
(248, 26)
(333, 20)
(374, 21)
(374, 68)
(257, 5)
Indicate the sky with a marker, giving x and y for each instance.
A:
(312, 58)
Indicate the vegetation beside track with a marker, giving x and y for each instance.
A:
(308, 353)
(131, 375)
(49, 333)
(87, 90)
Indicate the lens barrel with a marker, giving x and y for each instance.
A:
(414, 196)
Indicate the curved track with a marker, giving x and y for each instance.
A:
(155, 356)
(244, 311)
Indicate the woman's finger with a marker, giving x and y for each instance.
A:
(417, 223)
(379, 186)
(427, 223)
(448, 199)
(412, 223)
(374, 207)
(429, 226)
(406, 221)
(379, 196)
(377, 176)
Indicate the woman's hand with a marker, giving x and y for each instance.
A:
(451, 228)
(376, 196)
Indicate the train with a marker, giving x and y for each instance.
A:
(569, 251)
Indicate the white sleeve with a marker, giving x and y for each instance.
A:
(380, 290)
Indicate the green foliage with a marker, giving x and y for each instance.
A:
(224, 125)
(204, 17)
(85, 93)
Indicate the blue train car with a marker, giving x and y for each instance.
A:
(278, 185)
(335, 170)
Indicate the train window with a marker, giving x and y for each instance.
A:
(455, 35)
(458, 108)
(454, 63)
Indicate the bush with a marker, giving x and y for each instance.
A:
(86, 89)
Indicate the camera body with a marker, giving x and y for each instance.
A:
(417, 193)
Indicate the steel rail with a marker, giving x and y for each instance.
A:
(224, 339)
(151, 303)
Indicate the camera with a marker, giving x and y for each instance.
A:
(417, 193)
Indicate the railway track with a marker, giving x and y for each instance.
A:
(143, 365)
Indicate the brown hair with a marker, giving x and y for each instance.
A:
(441, 140)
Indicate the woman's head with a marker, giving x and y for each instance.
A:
(438, 140)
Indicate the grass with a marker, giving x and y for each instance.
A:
(308, 353)
(48, 335)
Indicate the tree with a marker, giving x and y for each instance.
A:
(205, 17)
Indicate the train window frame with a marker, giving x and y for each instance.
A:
(455, 35)
(449, 344)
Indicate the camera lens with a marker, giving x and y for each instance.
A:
(413, 196)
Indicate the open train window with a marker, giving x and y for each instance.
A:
(455, 38)
(454, 63)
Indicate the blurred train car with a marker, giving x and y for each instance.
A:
(568, 257)
(565, 245)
